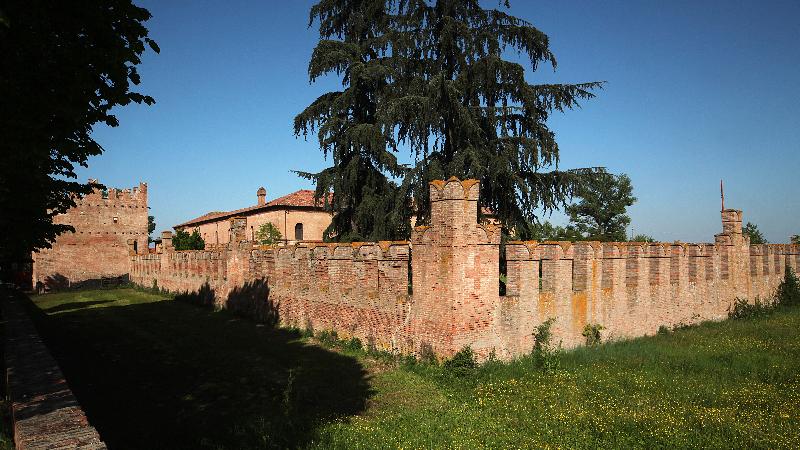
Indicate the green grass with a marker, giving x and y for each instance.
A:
(163, 374)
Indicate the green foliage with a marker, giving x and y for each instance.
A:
(151, 226)
(786, 295)
(742, 309)
(328, 338)
(795, 239)
(642, 238)
(545, 355)
(354, 345)
(600, 213)
(268, 234)
(182, 240)
(591, 332)
(431, 78)
(788, 292)
(65, 66)
(751, 229)
(462, 364)
(546, 231)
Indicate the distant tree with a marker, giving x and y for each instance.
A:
(751, 229)
(268, 234)
(546, 231)
(600, 212)
(642, 238)
(65, 66)
(185, 241)
(430, 76)
(151, 226)
(795, 239)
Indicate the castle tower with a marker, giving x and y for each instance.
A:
(455, 269)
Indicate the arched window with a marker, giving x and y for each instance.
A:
(298, 232)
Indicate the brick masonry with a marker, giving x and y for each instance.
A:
(44, 411)
(362, 289)
(108, 226)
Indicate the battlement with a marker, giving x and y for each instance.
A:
(135, 197)
(445, 294)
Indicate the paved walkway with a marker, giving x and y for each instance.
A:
(45, 412)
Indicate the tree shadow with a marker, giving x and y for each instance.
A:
(75, 305)
(60, 282)
(171, 375)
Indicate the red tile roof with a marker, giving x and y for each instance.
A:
(303, 198)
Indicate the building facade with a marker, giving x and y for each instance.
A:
(297, 216)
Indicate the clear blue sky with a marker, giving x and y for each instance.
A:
(696, 91)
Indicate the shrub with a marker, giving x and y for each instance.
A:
(461, 364)
(328, 338)
(592, 334)
(354, 344)
(788, 293)
(742, 309)
(663, 330)
(545, 355)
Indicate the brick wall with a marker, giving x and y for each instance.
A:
(361, 289)
(107, 224)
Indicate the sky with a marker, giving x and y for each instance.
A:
(696, 91)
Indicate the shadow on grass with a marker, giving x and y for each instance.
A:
(171, 375)
(75, 305)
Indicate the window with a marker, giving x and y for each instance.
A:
(298, 232)
(116, 219)
(135, 247)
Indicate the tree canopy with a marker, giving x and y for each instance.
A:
(65, 66)
(268, 234)
(434, 78)
(185, 241)
(756, 237)
(600, 213)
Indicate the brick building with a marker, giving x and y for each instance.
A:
(296, 215)
(109, 225)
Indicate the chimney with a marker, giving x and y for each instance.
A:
(262, 196)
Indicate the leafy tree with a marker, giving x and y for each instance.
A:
(268, 234)
(795, 239)
(65, 66)
(600, 213)
(151, 226)
(546, 231)
(751, 229)
(431, 77)
(642, 238)
(182, 240)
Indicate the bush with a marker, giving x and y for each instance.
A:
(592, 334)
(742, 309)
(461, 364)
(788, 293)
(354, 344)
(545, 355)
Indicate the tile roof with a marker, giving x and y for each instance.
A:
(301, 198)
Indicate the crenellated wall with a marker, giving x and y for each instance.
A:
(362, 289)
(108, 225)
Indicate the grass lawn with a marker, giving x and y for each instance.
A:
(155, 373)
